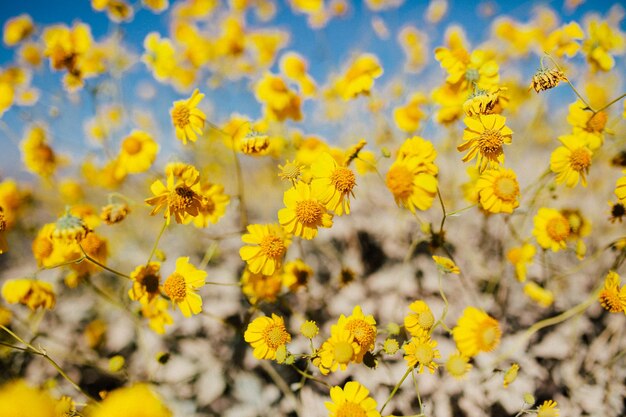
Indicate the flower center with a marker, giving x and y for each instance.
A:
(44, 153)
(343, 352)
(489, 337)
(558, 229)
(596, 123)
(272, 246)
(425, 319)
(3, 222)
(343, 179)
(490, 143)
(424, 353)
(131, 145)
(275, 336)
(350, 409)
(290, 171)
(617, 211)
(363, 332)
(611, 301)
(580, 159)
(456, 366)
(184, 197)
(400, 182)
(180, 115)
(472, 75)
(150, 283)
(208, 205)
(175, 287)
(506, 189)
(309, 211)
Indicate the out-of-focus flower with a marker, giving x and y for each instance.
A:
(146, 280)
(352, 400)
(138, 152)
(181, 287)
(156, 6)
(30, 292)
(498, 190)
(360, 76)
(510, 375)
(446, 265)
(17, 29)
(296, 274)
(157, 314)
(571, 161)
(266, 335)
(159, 56)
(484, 138)
(267, 245)
(476, 332)
(309, 329)
(134, 400)
(420, 352)
(458, 365)
(279, 102)
(551, 229)
(587, 124)
(436, 10)
(188, 120)
(114, 213)
(259, 287)
(38, 155)
(408, 117)
(19, 399)
(414, 44)
(540, 295)
(117, 10)
(520, 257)
(295, 67)
(563, 41)
(303, 213)
(602, 41)
(213, 203)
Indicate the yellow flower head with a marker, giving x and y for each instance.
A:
(498, 190)
(280, 102)
(266, 335)
(39, 157)
(548, 409)
(17, 29)
(360, 76)
(114, 213)
(303, 212)
(420, 352)
(187, 119)
(409, 116)
(540, 295)
(476, 332)
(446, 265)
(213, 204)
(337, 351)
(563, 40)
(135, 400)
(181, 287)
(410, 187)
(138, 152)
(414, 44)
(259, 287)
(423, 151)
(571, 161)
(421, 320)
(601, 41)
(29, 292)
(178, 197)
(551, 229)
(159, 56)
(485, 102)
(332, 184)
(290, 171)
(520, 257)
(156, 313)
(363, 328)
(458, 365)
(17, 398)
(612, 298)
(484, 138)
(146, 281)
(266, 250)
(309, 329)
(352, 400)
(296, 274)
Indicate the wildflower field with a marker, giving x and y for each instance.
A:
(307, 208)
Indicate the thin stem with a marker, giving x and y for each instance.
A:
(443, 208)
(570, 84)
(417, 391)
(606, 106)
(95, 262)
(395, 389)
(282, 385)
(445, 308)
(156, 243)
(309, 376)
(225, 284)
(75, 261)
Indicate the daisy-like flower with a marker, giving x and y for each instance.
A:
(571, 161)
(484, 102)
(458, 365)
(181, 287)
(303, 212)
(411, 188)
(37, 154)
(267, 247)
(551, 229)
(188, 120)
(360, 76)
(290, 171)
(363, 328)
(30, 292)
(602, 40)
(587, 124)
(446, 265)
(177, 196)
(352, 400)
(476, 332)
(612, 298)
(520, 257)
(213, 204)
(259, 287)
(337, 351)
(421, 320)
(138, 152)
(266, 335)
(423, 151)
(548, 409)
(540, 295)
(296, 274)
(332, 184)
(498, 190)
(484, 138)
(145, 282)
(156, 313)
(420, 352)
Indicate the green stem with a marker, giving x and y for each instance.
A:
(95, 262)
(156, 243)
(225, 284)
(606, 106)
(417, 391)
(395, 389)
(443, 208)
(309, 376)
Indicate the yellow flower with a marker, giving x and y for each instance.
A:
(266, 335)
(498, 190)
(540, 295)
(181, 287)
(145, 282)
(477, 69)
(421, 149)
(259, 287)
(11, 199)
(135, 400)
(156, 6)
(421, 320)
(446, 265)
(588, 125)
(295, 67)
(309, 329)
(187, 119)
(360, 76)
(458, 365)
(485, 102)
(159, 56)
(484, 138)
(290, 171)
(280, 102)
(620, 189)
(177, 197)
(548, 409)
(138, 152)
(332, 184)
(571, 161)
(213, 203)
(551, 229)
(562, 41)
(17, 29)
(410, 187)
(414, 44)
(519, 257)
(38, 156)
(510, 375)
(95, 246)
(601, 40)
(476, 332)
(363, 328)
(352, 400)
(156, 312)
(337, 351)
(420, 353)
(391, 346)
(117, 10)
(67, 49)
(612, 298)
(296, 274)
(17, 399)
(29, 292)
(409, 116)
(303, 212)
(267, 247)
(545, 79)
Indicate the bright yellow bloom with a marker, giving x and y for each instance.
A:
(363, 328)
(156, 6)
(266, 250)
(485, 102)
(337, 351)
(213, 204)
(520, 257)
(259, 287)
(476, 332)
(178, 197)
(136, 400)
(11, 199)
(421, 149)
(409, 117)
(280, 102)
(266, 335)
(458, 365)
(95, 246)
(510, 375)
(31, 54)
(146, 281)
(44, 249)
(420, 353)
(117, 10)
(17, 399)
(309, 329)
(303, 212)
(351, 401)
(571, 161)
(414, 44)
(410, 187)
(620, 188)
(156, 313)
(612, 298)
(360, 76)
(159, 56)
(540, 295)
(38, 156)
(484, 138)
(29, 292)
(467, 70)
(588, 125)
(498, 190)
(548, 409)
(290, 171)
(446, 265)
(138, 152)
(187, 119)
(67, 49)
(332, 184)
(421, 320)
(295, 67)
(562, 41)
(601, 41)
(17, 29)
(296, 274)
(181, 287)
(551, 229)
